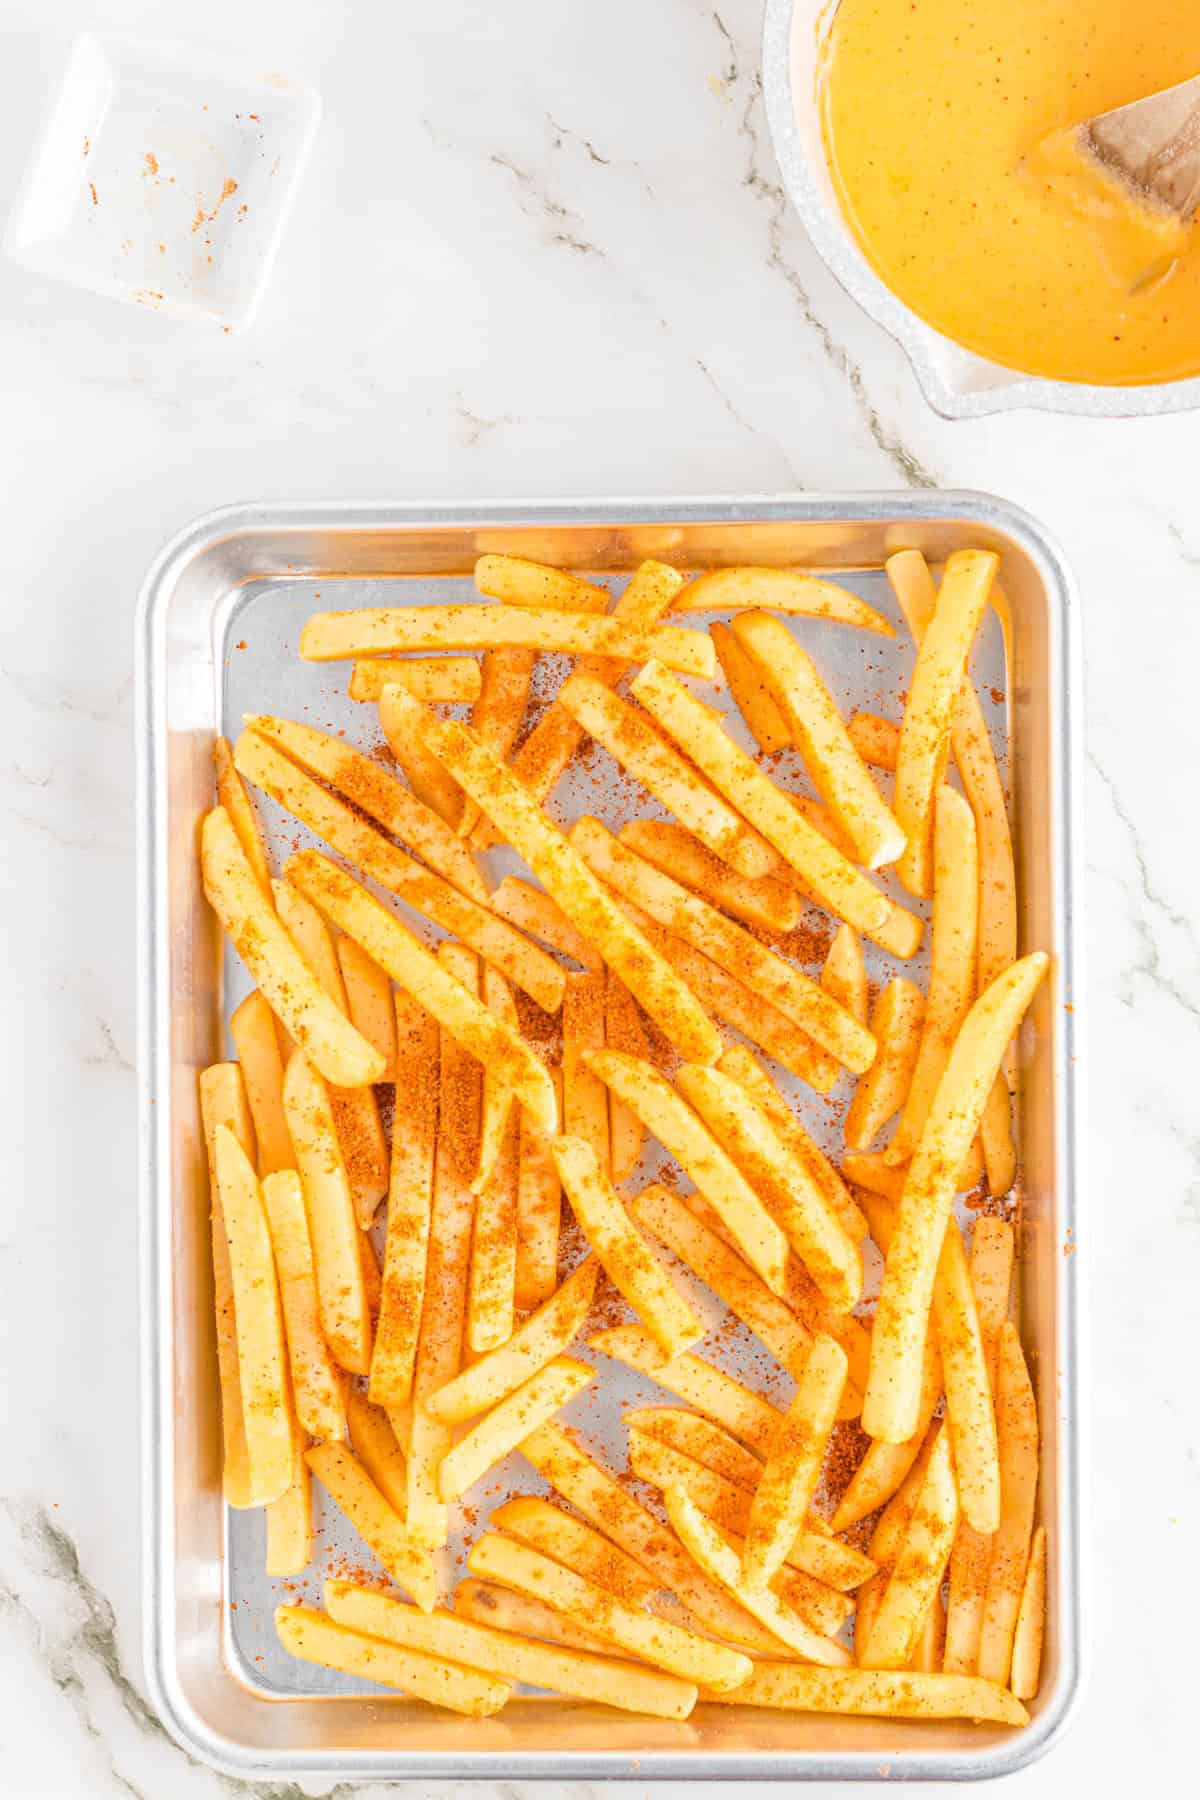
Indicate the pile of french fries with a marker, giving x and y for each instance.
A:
(916, 1588)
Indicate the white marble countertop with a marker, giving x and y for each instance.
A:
(541, 250)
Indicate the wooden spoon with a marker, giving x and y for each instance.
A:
(1154, 146)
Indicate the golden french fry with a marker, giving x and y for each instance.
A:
(783, 591)
(931, 1640)
(317, 1384)
(502, 1429)
(584, 1096)
(539, 1209)
(1017, 1428)
(329, 1206)
(408, 962)
(367, 786)
(789, 1480)
(751, 695)
(519, 582)
(919, 1567)
(844, 973)
(870, 1170)
(632, 1267)
(491, 1301)
(498, 1100)
(876, 740)
(883, 1469)
(968, 1589)
(499, 712)
(900, 1694)
(286, 982)
(623, 1031)
(729, 945)
(289, 1518)
(996, 1138)
(314, 1638)
(745, 1415)
(429, 781)
(969, 1410)
(486, 1603)
(232, 795)
(536, 1343)
(258, 1321)
(410, 1198)
(604, 1680)
(815, 726)
(1031, 1623)
(901, 1317)
(993, 1247)
(896, 1025)
(223, 1102)
(430, 678)
(666, 1645)
(375, 1445)
(932, 694)
(378, 1524)
(532, 911)
(388, 631)
(685, 1137)
(252, 1028)
(369, 1001)
(695, 1436)
(767, 901)
(577, 1546)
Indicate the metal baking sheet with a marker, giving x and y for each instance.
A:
(218, 629)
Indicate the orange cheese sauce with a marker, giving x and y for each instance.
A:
(936, 115)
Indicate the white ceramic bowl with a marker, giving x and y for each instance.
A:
(955, 381)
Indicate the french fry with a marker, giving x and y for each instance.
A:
(223, 1102)
(258, 1322)
(584, 1096)
(623, 1031)
(498, 1099)
(367, 786)
(992, 1250)
(286, 982)
(497, 715)
(900, 1694)
(920, 1564)
(417, 970)
(876, 740)
(968, 1589)
(378, 1524)
(896, 1025)
(969, 1409)
(603, 1680)
(783, 591)
(577, 1546)
(388, 631)
(289, 1518)
(539, 1209)
(433, 785)
(662, 1643)
(720, 1563)
(1031, 1623)
(883, 1469)
(996, 1139)
(491, 1301)
(780, 1179)
(951, 966)
(502, 1429)
(534, 912)
(941, 664)
(844, 974)
(252, 1028)
(822, 820)
(631, 1266)
(486, 1603)
(628, 736)
(232, 795)
(769, 902)
(375, 1445)
(892, 1399)
(314, 1638)
(931, 1641)
(836, 883)
(789, 1480)
(695, 1436)
(870, 1170)
(369, 1001)
(372, 1276)
(1017, 1427)
(410, 1198)
(684, 1135)
(815, 726)
(317, 1384)
(519, 582)
(430, 678)
(725, 943)
(747, 1416)
(329, 1206)
(885, 1545)
(353, 837)
(750, 692)
(533, 1345)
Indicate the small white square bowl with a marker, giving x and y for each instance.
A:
(164, 179)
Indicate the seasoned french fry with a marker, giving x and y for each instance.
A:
(369, 1001)
(844, 974)
(783, 591)
(486, 1603)
(793, 1467)
(815, 726)
(286, 982)
(896, 1025)
(665, 1645)
(968, 1398)
(992, 1250)
(317, 1384)
(631, 1266)
(519, 582)
(491, 1302)
(372, 1275)
(870, 1170)
(932, 694)
(314, 1638)
(232, 795)
(1031, 1623)
(931, 1641)
(532, 911)
(968, 1589)
(577, 1546)
(223, 1102)
(996, 1139)
(585, 1098)
(745, 1415)
(695, 1436)
(416, 969)
(876, 740)
(536, 1343)
(252, 1028)
(433, 785)
(378, 1524)
(919, 1567)
(769, 902)
(430, 678)
(683, 1134)
(623, 1031)
(1017, 1426)
(502, 1429)
(329, 1205)
(883, 1469)
(289, 1518)
(410, 1198)
(604, 1680)
(892, 1399)
(258, 1321)
(750, 692)
(375, 1445)
(539, 1209)
(901, 1694)
(497, 715)
(498, 1100)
